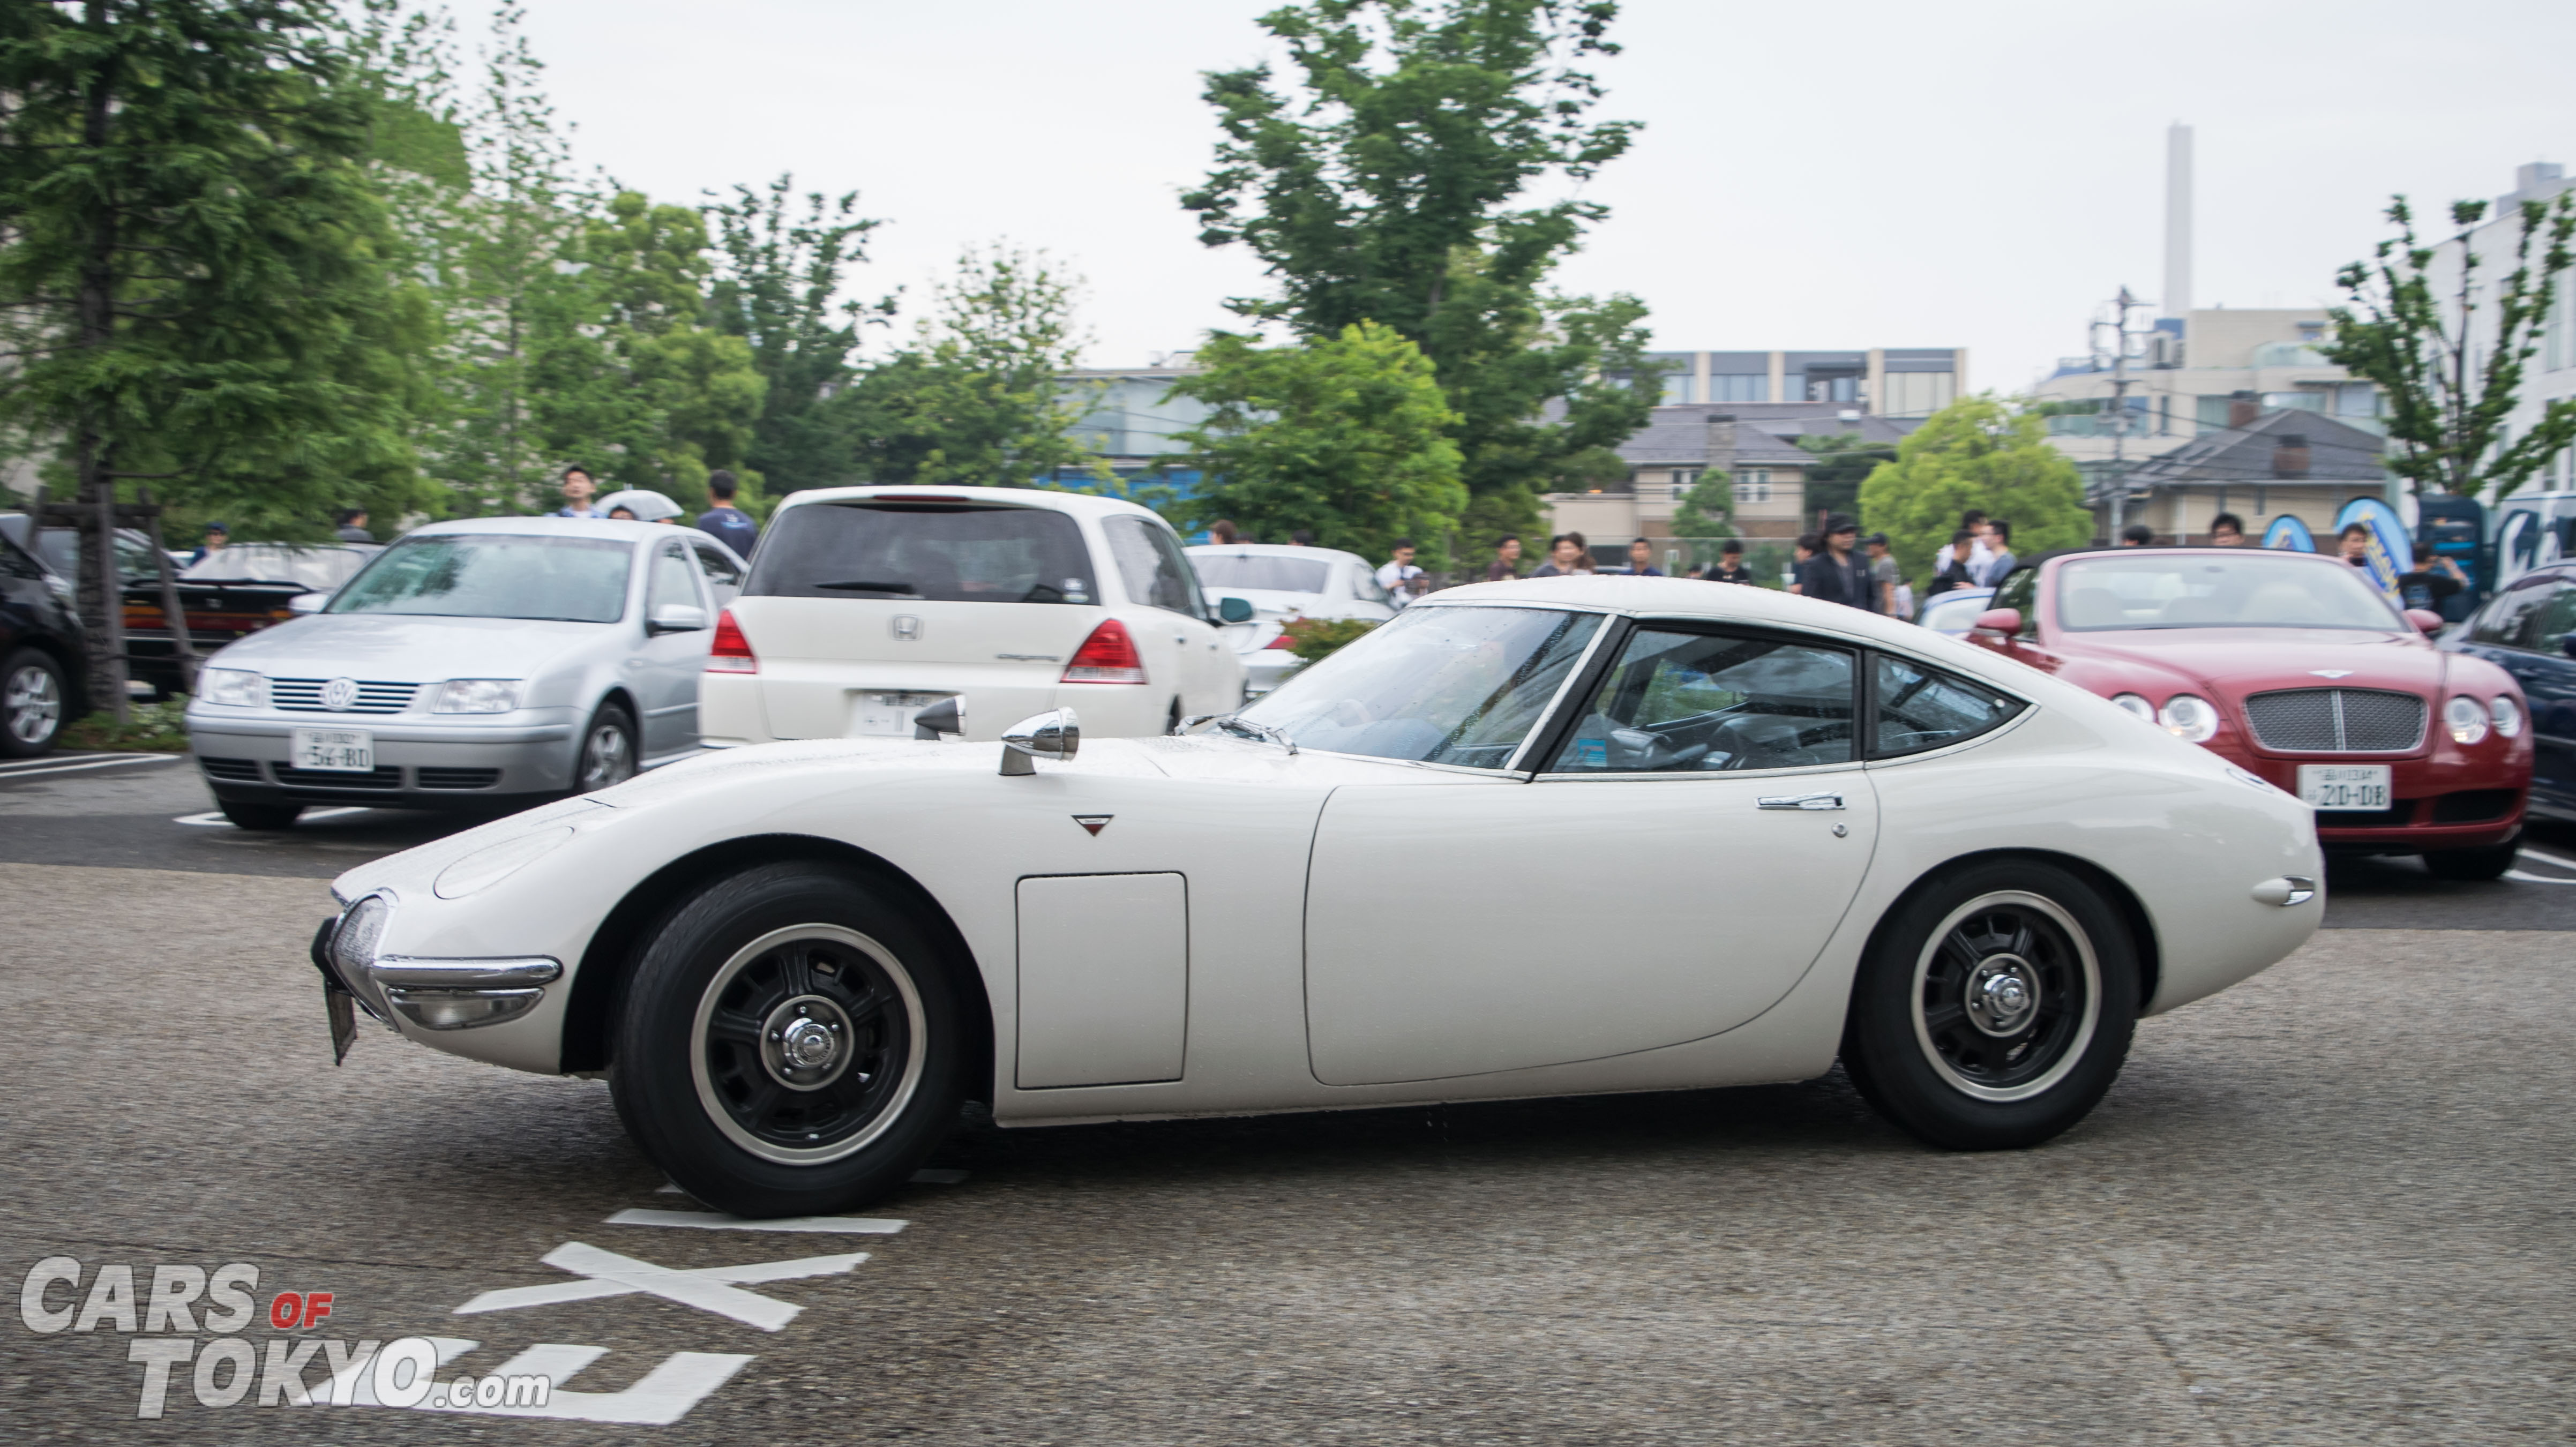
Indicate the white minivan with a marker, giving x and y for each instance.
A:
(866, 605)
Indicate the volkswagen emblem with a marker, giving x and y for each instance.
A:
(2330, 672)
(907, 628)
(339, 693)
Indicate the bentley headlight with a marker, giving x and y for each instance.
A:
(2466, 721)
(2508, 717)
(233, 687)
(490, 865)
(2190, 718)
(2135, 705)
(477, 695)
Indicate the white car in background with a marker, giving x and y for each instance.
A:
(1282, 583)
(868, 607)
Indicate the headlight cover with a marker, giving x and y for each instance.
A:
(233, 687)
(353, 948)
(2136, 705)
(2507, 715)
(477, 695)
(491, 864)
(2466, 721)
(2190, 718)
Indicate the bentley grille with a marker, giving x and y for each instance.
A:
(2337, 721)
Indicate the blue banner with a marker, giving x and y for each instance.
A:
(2388, 551)
(2290, 533)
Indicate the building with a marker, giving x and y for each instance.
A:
(1754, 443)
(1128, 415)
(1879, 381)
(2261, 464)
(2550, 375)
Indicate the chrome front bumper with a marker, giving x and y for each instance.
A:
(435, 994)
(420, 762)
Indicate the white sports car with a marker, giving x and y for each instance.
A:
(1527, 839)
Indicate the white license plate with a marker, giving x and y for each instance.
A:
(337, 751)
(889, 715)
(2346, 786)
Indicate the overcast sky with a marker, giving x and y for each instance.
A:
(1971, 173)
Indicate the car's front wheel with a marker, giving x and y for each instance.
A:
(788, 1044)
(608, 750)
(1994, 1008)
(33, 704)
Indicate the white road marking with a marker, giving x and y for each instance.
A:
(50, 761)
(714, 1221)
(2550, 859)
(926, 1176)
(2516, 874)
(710, 1288)
(95, 764)
(216, 820)
(659, 1398)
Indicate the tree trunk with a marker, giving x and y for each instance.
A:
(102, 598)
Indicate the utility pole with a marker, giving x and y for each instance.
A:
(2118, 355)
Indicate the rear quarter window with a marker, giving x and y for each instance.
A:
(940, 553)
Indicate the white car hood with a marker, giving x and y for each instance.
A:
(407, 648)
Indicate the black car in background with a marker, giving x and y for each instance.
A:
(2529, 630)
(43, 685)
(227, 594)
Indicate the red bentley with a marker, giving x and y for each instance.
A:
(2295, 668)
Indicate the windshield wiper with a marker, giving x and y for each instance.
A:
(863, 586)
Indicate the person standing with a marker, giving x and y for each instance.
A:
(353, 526)
(1883, 581)
(1836, 573)
(1953, 572)
(1507, 559)
(1567, 556)
(725, 522)
(1999, 555)
(1221, 532)
(1398, 575)
(1302, 538)
(1972, 525)
(1641, 557)
(1799, 552)
(217, 535)
(1730, 564)
(2137, 535)
(2227, 530)
(578, 489)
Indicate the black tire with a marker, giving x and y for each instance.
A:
(267, 818)
(703, 1071)
(607, 751)
(35, 703)
(2474, 864)
(2052, 974)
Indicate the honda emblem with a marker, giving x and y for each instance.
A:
(907, 628)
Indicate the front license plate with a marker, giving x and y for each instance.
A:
(889, 715)
(335, 751)
(2346, 786)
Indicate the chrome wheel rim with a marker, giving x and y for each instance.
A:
(605, 757)
(808, 1044)
(34, 705)
(2007, 994)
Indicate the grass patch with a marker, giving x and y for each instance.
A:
(157, 728)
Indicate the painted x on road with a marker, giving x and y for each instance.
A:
(709, 1288)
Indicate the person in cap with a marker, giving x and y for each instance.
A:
(1837, 573)
(217, 535)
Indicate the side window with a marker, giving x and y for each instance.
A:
(1691, 702)
(2505, 622)
(2553, 621)
(674, 581)
(1914, 708)
(723, 575)
(15, 564)
(2021, 590)
(1151, 566)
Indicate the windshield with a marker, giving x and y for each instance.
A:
(1251, 570)
(319, 568)
(935, 553)
(2195, 590)
(502, 575)
(1459, 685)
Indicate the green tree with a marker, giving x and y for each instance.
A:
(779, 288)
(1347, 437)
(2450, 382)
(1389, 185)
(195, 265)
(1707, 510)
(978, 399)
(1975, 453)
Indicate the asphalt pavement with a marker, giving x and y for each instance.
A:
(2328, 1206)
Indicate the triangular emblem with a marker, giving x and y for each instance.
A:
(2331, 672)
(1094, 822)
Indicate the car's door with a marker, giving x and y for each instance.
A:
(669, 663)
(1696, 828)
(1168, 614)
(2523, 631)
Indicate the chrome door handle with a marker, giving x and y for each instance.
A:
(1799, 801)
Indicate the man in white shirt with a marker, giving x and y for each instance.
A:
(1989, 567)
(1398, 575)
(1975, 522)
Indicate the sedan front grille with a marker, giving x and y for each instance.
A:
(382, 776)
(240, 771)
(304, 695)
(452, 778)
(2337, 721)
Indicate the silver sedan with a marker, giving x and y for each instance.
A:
(474, 665)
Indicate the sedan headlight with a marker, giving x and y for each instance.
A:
(2135, 705)
(2190, 718)
(2508, 717)
(2466, 721)
(233, 687)
(477, 695)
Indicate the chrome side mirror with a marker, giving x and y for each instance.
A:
(1056, 734)
(676, 618)
(948, 716)
(308, 602)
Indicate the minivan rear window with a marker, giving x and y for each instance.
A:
(940, 553)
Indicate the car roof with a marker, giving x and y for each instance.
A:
(620, 528)
(2055, 554)
(1080, 504)
(1272, 550)
(1687, 598)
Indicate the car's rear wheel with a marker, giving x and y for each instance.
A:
(2488, 863)
(607, 750)
(34, 704)
(788, 1044)
(1995, 1008)
(267, 818)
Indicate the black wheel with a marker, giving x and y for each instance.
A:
(263, 817)
(2488, 863)
(34, 704)
(788, 1044)
(1995, 1008)
(608, 750)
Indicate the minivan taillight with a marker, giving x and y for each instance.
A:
(1107, 656)
(731, 652)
